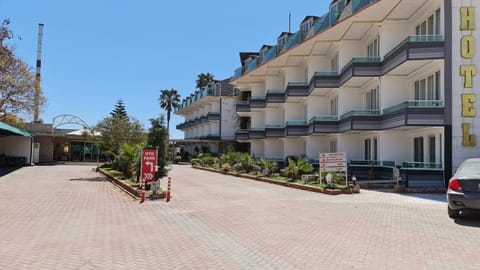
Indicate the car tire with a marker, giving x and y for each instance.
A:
(453, 213)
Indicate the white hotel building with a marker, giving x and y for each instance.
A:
(388, 82)
(210, 119)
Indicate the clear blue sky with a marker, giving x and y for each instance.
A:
(96, 52)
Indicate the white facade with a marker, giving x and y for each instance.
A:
(374, 87)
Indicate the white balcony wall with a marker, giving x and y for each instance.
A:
(294, 147)
(215, 129)
(294, 111)
(351, 144)
(392, 33)
(316, 145)
(272, 83)
(274, 115)
(294, 74)
(394, 90)
(388, 151)
(349, 50)
(257, 148)
(317, 106)
(317, 63)
(229, 118)
(257, 120)
(213, 147)
(258, 89)
(273, 148)
(349, 99)
(214, 107)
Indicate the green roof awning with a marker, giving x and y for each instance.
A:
(7, 130)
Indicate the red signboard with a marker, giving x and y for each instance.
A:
(149, 163)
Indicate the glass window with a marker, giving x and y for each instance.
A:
(428, 88)
(334, 63)
(432, 145)
(333, 146)
(372, 100)
(368, 148)
(431, 26)
(373, 49)
(334, 106)
(418, 149)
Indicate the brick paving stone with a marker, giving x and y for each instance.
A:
(69, 217)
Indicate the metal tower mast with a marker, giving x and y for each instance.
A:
(37, 76)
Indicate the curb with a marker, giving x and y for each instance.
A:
(124, 187)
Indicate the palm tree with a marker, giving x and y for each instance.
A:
(204, 79)
(169, 100)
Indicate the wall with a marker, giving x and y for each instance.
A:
(317, 106)
(294, 111)
(16, 146)
(293, 147)
(46, 148)
(229, 119)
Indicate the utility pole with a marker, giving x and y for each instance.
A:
(38, 89)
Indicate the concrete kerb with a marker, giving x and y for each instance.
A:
(122, 186)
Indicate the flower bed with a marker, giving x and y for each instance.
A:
(283, 182)
(128, 186)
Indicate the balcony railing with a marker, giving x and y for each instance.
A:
(258, 97)
(279, 125)
(362, 60)
(359, 113)
(324, 118)
(418, 38)
(275, 158)
(295, 39)
(275, 91)
(415, 104)
(422, 165)
(326, 73)
(242, 102)
(383, 163)
(359, 4)
(297, 123)
(270, 54)
(251, 64)
(238, 72)
(321, 24)
(297, 84)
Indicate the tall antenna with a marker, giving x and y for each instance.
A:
(38, 89)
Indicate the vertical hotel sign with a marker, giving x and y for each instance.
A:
(468, 70)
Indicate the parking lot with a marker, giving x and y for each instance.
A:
(69, 217)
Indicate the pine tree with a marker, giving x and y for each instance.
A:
(119, 110)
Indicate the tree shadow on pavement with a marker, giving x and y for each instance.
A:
(89, 179)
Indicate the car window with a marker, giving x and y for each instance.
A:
(469, 168)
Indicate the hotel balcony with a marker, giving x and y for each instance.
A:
(211, 116)
(321, 24)
(427, 47)
(193, 98)
(408, 113)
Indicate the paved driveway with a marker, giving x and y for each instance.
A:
(68, 217)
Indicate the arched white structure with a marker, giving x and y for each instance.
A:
(65, 119)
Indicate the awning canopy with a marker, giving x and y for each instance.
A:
(7, 130)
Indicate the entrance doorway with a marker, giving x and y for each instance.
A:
(83, 151)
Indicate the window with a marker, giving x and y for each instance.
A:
(334, 63)
(428, 88)
(370, 149)
(333, 146)
(373, 49)
(306, 26)
(334, 106)
(367, 149)
(418, 149)
(281, 42)
(431, 26)
(372, 100)
(432, 153)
